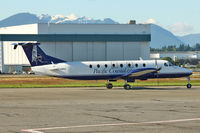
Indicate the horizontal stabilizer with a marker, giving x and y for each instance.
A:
(23, 44)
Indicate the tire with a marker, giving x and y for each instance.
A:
(127, 87)
(109, 86)
(189, 86)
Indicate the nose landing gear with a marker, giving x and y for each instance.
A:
(189, 85)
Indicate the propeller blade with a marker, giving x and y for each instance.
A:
(156, 63)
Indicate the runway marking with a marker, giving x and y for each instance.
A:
(41, 130)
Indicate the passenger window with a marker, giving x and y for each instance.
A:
(106, 65)
(113, 65)
(136, 65)
(144, 65)
(98, 66)
(90, 66)
(121, 65)
(129, 65)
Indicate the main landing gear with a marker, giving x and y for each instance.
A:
(110, 85)
(189, 85)
(127, 86)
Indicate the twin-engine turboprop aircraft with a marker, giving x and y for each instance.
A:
(129, 70)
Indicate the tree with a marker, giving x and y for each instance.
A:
(168, 59)
(197, 47)
(187, 48)
(181, 47)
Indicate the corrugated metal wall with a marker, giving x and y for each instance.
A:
(99, 50)
(1, 54)
(81, 51)
(14, 57)
(96, 51)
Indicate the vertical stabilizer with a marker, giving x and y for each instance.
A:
(36, 55)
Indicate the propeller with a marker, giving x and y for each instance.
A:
(156, 64)
(157, 70)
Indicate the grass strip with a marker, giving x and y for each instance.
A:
(101, 84)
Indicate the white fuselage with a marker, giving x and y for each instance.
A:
(93, 70)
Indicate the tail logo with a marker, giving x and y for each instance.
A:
(35, 56)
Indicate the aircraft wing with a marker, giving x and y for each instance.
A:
(140, 72)
(57, 68)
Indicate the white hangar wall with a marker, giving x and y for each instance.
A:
(11, 56)
(99, 50)
(10, 59)
(77, 50)
(94, 29)
(96, 51)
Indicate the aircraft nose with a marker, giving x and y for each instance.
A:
(188, 72)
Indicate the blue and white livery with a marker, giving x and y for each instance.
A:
(129, 70)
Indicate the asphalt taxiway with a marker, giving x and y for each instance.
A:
(88, 110)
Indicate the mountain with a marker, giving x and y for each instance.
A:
(190, 39)
(19, 19)
(28, 18)
(161, 37)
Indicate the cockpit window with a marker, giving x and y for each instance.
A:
(170, 64)
(165, 64)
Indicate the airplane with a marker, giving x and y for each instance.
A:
(128, 70)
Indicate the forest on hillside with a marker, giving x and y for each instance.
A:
(181, 47)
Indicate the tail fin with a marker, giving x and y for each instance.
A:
(36, 55)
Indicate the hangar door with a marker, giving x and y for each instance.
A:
(89, 51)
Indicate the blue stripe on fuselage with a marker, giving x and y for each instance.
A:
(96, 77)
(146, 76)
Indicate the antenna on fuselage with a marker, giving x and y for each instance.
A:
(140, 58)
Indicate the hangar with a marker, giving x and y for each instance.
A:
(75, 42)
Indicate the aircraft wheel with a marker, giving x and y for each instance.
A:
(127, 87)
(109, 86)
(189, 86)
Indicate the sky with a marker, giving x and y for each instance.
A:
(179, 16)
